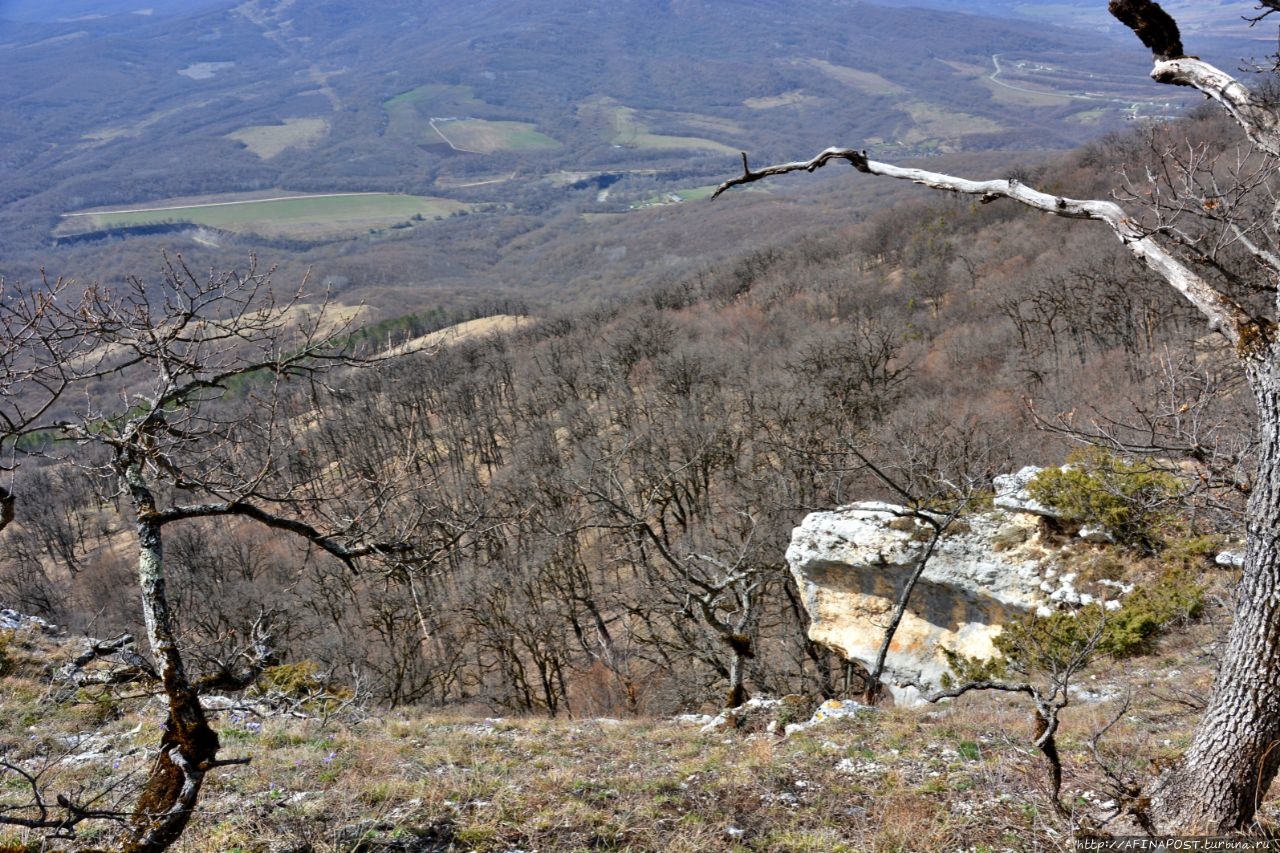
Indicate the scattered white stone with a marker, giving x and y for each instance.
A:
(832, 709)
(1104, 694)
(835, 709)
(1013, 494)
(729, 717)
(1065, 595)
(12, 620)
(1119, 587)
(1098, 535)
(1230, 559)
(859, 768)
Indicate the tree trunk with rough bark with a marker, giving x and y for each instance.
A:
(1223, 776)
(189, 745)
(1218, 784)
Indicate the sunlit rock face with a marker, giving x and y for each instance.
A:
(1013, 493)
(852, 563)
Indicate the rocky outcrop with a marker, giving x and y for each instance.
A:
(12, 620)
(851, 563)
(1013, 493)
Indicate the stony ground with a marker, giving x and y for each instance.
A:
(329, 777)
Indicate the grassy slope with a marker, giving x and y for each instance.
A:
(957, 777)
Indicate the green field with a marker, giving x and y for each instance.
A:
(478, 136)
(303, 217)
(435, 93)
(676, 197)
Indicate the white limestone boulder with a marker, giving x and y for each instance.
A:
(851, 564)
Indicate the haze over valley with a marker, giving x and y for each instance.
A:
(421, 147)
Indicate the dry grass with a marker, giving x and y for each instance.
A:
(469, 330)
(268, 140)
(961, 776)
(638, 785)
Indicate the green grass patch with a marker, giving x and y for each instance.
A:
(302, 217)
(676, 197)
(434, 93)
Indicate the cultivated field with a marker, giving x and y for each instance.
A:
(865, 81)
(795, 98)
(301, 216)
(932, 122)
(435, 94)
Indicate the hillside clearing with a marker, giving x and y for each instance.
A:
(478, 136)
(297, 216)
(268, 140)
(793, 98)
(471, 329)
(630, 131)
(866, 81)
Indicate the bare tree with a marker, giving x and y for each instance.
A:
(43, 351)
(1203, 221)
(207, 373)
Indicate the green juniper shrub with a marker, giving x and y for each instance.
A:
(1134, 501)
(1067, 639)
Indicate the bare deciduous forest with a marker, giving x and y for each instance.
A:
(580, 507)
(612, 490)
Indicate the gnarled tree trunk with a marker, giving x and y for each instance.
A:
(1219, 782)
(189, 745)
(1223, 776)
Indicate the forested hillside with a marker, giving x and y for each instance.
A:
(609, 493)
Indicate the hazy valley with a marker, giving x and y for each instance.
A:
(481, 111)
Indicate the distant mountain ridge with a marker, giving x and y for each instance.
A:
(1210, 26)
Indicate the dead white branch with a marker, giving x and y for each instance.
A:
(1224, 314)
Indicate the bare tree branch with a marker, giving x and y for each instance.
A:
(1225, 315)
